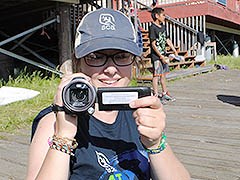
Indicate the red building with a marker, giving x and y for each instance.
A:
(219, 19)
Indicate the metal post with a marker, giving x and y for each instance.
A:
(8, 53)
(27, 32)
(29, 50)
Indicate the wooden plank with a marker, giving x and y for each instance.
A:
(204, 131)
(64, 34)
(178, 73)
(187, 58)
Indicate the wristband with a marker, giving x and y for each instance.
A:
(56, 108)
(161, 147)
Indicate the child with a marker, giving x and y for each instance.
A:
(159, 39)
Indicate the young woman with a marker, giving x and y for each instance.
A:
(107, 144)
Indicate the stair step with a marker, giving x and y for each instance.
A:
(189, 58)
(144, 31)
(145, 39)
(146, 62)
(146, 51)
(176, 47)
(146, 48)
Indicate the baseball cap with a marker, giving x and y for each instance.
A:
(105, 29)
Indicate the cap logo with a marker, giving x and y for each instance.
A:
(107, 21)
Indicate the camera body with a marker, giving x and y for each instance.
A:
(80, 96)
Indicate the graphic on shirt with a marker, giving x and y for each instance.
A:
(104, 162)
(161, 42)
(126, 166)
(107, 21)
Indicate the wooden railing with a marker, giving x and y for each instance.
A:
(149, 2)
(161, 2)
(182, 31)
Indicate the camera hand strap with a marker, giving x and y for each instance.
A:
(56, 108)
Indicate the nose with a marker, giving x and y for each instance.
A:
(110, 67)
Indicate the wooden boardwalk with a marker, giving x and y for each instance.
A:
(203, 127)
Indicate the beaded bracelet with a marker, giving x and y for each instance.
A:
(63, 144)
(161, 147)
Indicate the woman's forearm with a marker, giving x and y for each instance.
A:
(165, 165)
(55, 166)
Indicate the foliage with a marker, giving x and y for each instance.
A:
(229, 61)
(133, 82)
(20, 114)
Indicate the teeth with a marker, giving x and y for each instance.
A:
(109, 82)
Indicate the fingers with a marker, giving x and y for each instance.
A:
(151, 131)
(64, 81)
(148, 101)
(150, 125)
(150, 119)
(66, 125)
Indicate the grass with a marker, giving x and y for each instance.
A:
(19, 115)
(229, 61)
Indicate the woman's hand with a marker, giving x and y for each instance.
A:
(66, 125)
(150, 119)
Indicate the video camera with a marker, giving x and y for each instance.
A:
(79, 96)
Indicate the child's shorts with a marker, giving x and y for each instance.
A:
(160, 68)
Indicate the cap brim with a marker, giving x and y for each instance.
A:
(107, 43)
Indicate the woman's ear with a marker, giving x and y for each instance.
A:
(66, 67)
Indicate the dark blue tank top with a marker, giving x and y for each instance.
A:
(108, 151)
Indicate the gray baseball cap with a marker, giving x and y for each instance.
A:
(105, 29)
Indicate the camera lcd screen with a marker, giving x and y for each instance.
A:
(118, 97)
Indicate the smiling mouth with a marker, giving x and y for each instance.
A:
(109, 82)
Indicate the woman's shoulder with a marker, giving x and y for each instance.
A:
(45, 115)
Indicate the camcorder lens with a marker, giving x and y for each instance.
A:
(78, 97)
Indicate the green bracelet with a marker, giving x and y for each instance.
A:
(161, 147)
